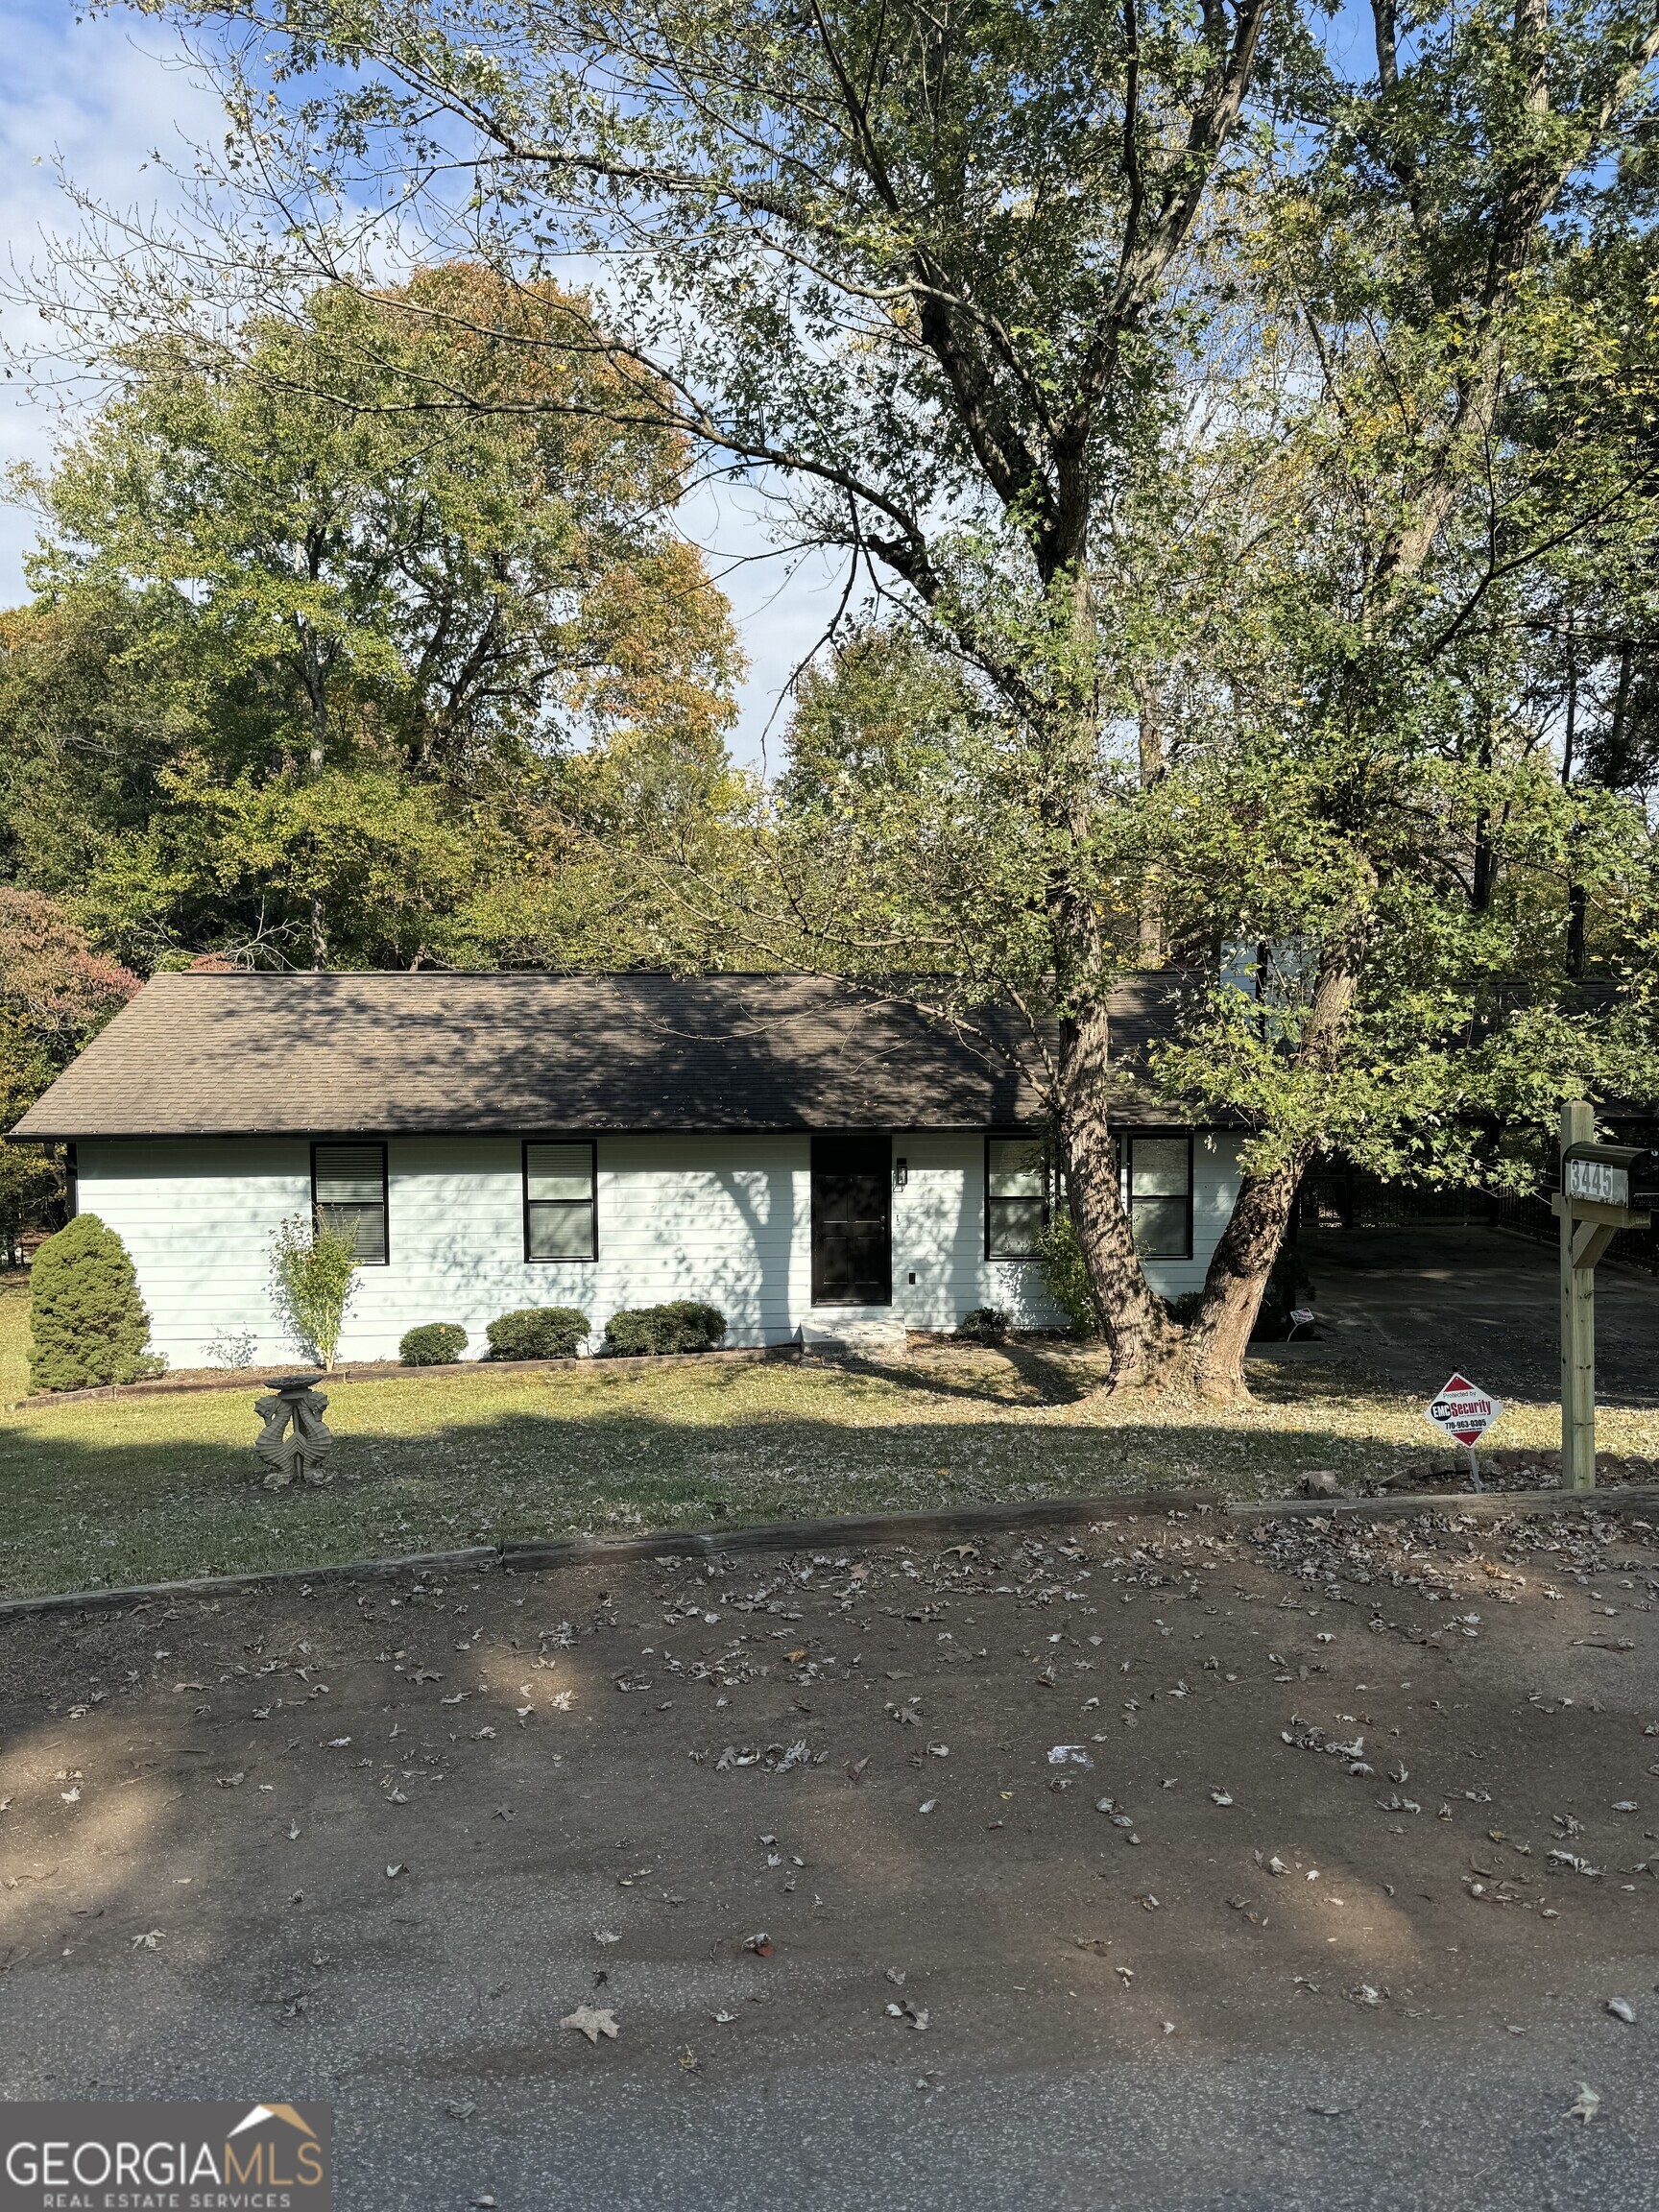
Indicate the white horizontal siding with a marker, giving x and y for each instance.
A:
(939, 1236)
(722, 1218)
(198, 1215)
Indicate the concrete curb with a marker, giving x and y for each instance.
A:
(683, 1543)
(857, 1528)
(391, 1371)
(1478, 1505)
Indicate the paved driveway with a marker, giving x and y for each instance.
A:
(1412, 1304)
(1158, 1867)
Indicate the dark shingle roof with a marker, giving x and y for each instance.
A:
(398, 1053)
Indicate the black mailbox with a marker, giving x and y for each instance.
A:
(1612, 1174)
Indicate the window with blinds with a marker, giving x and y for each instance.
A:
(348, 1192)
(1016, 1197)
(560, 1201)
(1158, 1190)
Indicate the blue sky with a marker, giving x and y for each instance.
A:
(98, 95)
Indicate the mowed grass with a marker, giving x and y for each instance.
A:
(147, 1489)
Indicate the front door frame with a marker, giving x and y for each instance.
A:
(878, 1148)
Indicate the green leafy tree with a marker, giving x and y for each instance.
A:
(322, 667)
(55, 993)
(1386, 797)
(928, 273)
(313, 1278)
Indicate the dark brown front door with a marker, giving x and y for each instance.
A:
(852, 1221)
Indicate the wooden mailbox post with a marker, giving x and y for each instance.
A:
(1593, 1204)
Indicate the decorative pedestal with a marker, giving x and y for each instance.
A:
(294, 1443)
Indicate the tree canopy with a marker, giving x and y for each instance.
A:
(316, 674)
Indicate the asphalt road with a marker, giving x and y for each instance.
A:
(1341, 1988)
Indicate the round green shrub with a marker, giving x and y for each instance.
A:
(985, 1325)
(537, 1332)
(630, 1332)
(88, 1321)
(434, 1344)
(683, 1324)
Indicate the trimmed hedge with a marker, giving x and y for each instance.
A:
(537, 1332)
(985, 1325)
(434, 1344)
(88, 1323)
(683, 1324)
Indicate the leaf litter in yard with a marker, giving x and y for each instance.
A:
(591, 2023)
(1585, 2105)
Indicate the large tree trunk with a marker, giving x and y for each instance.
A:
(1137, 1329)
(1133, 1319)
(317, 694)
(1154, 766)
(1212, 1356)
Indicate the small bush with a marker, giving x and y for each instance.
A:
(537, 1332)
(230, 1348)
(88, 1323)
(683, 1324)
(313, 1276)
(434, 1344)
(1064, 1276)
(985, 1325)
(1185, 1309)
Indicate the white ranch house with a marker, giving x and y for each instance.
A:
(818, 1165)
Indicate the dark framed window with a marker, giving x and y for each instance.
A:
(348, 1192)
(561, 1199)
(1017, 1197)
(71, 1182)
(1158, 1192)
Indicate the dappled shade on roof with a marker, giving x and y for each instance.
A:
(400, 1053)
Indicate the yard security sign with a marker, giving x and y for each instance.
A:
(1464, 1411)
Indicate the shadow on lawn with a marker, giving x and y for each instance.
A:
(1053, 1377)
(78, 1512)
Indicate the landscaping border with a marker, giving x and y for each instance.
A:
(387, 1371)
(854, 1528)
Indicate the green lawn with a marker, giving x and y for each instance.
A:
(147, 1488)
